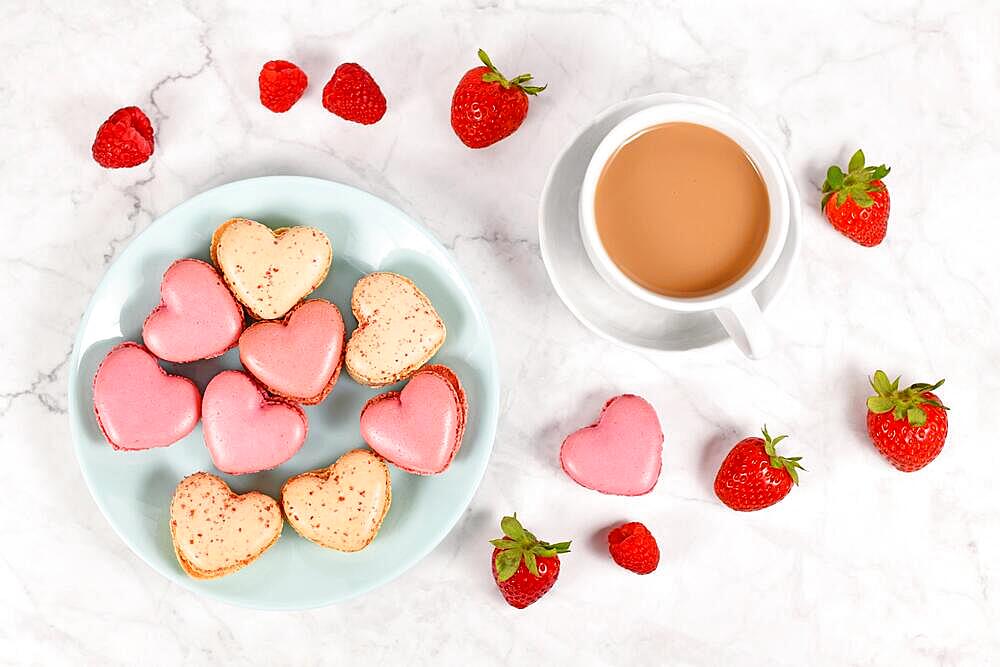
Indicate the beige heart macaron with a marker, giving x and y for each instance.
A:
(216, 531)
(340, 507)
(270, 271)
(398, 330)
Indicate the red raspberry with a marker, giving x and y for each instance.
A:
(281, 85)
(353, 95)
(124, 140)
(634, 548)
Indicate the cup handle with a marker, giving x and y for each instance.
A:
(745, 324)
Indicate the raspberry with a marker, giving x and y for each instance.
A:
(124, 140)
(353, 95)
(281, 85)
(634, 548)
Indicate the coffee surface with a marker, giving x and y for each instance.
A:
(682, 210)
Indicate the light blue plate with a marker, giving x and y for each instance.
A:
(133, 489)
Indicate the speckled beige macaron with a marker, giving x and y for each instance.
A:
(217, 532)
(270, 271)
(340, 507)
(398, 330)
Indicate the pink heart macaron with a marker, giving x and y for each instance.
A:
(138, 404)
(299, 358)
(621, 454)
(197, 317)
(246, 430)
(420, 428)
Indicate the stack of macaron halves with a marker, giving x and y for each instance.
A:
(291, 348)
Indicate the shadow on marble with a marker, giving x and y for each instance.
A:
(597, 541)
(713, 452)
(584, 412)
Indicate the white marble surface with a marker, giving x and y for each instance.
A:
(861, 565)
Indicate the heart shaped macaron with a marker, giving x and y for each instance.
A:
(420, 428)
(138, 404)
(270, 271)
(245, 429)
(299, 358)
(197, 317)
(340, 507)
(398, 330)
(620, 454)
(215, 531)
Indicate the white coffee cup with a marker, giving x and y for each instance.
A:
(735, 305)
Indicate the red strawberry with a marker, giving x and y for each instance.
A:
(753, 476)
(524, 567)
(633, 547)
(353, 95)
(281, 85)
(124, 140)
(487, 107)
(857, 203)
(908, 426)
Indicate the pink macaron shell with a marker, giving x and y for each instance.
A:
(621, 454)
(246, 430)
(197, 317)
(298, 358)
(420, 428)
(138, 404)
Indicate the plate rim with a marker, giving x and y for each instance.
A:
(491, 415)
(661, 97)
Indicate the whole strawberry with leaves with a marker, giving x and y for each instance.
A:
(487, 106)
(753, 476)
(857, 203)
(524, 567)
(908, 426)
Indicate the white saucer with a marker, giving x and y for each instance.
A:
(607, 310)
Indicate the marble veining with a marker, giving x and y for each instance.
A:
(861, 565)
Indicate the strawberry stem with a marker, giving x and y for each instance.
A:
(857, 183)
(790, 464)
(494, 76)
(902, 403)
(518, 544)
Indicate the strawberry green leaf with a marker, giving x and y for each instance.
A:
(924, 387)
(533, 90)
(486, 60)
(916, 416)
(835, 177)
(511, 527)
(506, 563)
(880, 383)
(560, 547)
(790, 469)
(862, 199)
(531, 563)
(505, 544)
(857, 161)
(880, 172)
(880, 404)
